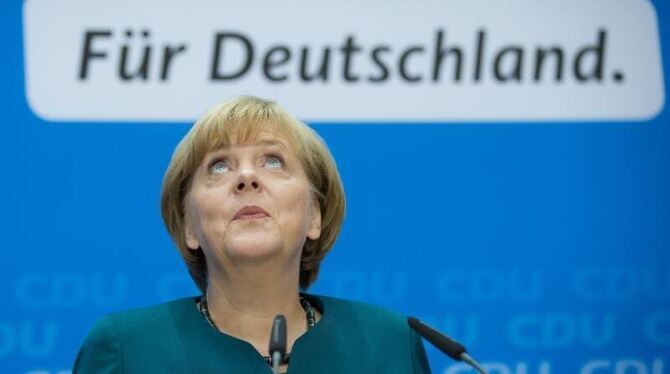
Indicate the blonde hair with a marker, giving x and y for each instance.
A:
(240, 120)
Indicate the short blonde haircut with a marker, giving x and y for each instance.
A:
(237, 121)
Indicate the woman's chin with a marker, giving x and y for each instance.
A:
(253, 249)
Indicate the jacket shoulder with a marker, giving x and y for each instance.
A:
(139, 322)
(101, 350)
(378, 331)
(137, 339)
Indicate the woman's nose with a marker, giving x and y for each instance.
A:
(247, 181)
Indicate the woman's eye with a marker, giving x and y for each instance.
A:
(274, 162)
(218, 167)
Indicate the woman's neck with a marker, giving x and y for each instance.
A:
(244, 305)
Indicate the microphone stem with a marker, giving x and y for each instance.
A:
(276, 359)
(469, 360)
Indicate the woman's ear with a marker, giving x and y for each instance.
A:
(314, 230)
(189, 233)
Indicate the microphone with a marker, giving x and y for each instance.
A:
(442, 342)
(277, 342)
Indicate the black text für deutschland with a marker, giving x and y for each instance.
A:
(234, 56)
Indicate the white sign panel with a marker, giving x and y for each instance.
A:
(443, 61)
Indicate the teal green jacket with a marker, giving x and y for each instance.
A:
(174, 337)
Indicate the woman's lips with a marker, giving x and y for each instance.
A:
(250, 212)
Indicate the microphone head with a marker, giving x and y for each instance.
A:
(436, 338)
(278, 335)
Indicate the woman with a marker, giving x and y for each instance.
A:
(253, 200)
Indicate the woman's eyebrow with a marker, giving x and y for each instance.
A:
(273, 143)
(216, 152)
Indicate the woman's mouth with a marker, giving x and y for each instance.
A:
(250, 212)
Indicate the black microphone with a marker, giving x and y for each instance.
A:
(442, 342)
(278, 342)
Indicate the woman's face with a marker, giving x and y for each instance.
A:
(250, 202)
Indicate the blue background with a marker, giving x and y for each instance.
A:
(529, 242)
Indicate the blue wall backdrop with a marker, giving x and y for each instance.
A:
(542, 247)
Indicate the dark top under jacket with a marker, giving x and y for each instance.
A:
(174, 337)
